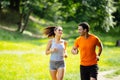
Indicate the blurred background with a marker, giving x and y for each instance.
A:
(22, 43)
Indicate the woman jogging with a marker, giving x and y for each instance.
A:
(57, 48)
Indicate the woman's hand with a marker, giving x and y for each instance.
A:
(53, 50)
(65, 55)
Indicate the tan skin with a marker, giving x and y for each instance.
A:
(56, 74)
(85, 34)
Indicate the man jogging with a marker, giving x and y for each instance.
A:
(86, 43)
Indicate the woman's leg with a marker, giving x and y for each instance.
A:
(60, 73)
(53, 74)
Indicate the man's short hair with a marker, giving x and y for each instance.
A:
(85, 25)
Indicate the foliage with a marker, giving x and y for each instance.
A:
(22, 56)
(117, 18)
(99, 14)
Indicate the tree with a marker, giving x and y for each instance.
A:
(0, 6)
(15, 5)
(117, 12)
(23, 8)
(24, 16)
(98, 13)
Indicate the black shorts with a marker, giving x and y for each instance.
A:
(88, 71)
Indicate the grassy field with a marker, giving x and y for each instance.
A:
(22, 57)
(25, 61)
(28, 62)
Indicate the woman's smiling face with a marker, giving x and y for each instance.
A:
(59, 31)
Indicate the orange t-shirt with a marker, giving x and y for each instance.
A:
(87, 49)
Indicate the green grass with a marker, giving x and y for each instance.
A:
(110, 58)
(24, 67)
(22, 56)
(31, 67)
(114, 74)
(34, 64)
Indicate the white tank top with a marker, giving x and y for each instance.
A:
(58, 55)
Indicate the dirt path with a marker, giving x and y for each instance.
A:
(101, 75)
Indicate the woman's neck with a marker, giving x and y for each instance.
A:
(57, 38)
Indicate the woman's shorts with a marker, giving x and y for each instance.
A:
(54, 65)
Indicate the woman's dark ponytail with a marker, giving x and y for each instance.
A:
(49, 31)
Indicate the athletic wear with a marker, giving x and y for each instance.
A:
(87, 49)
(88, 71)
(58, 55)
(54, 65)
(57, 58)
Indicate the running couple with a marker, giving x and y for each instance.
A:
(85, 44)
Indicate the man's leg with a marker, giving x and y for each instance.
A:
(84, 73)
(93, 72)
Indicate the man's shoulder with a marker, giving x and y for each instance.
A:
(93, 36)
(78, 38)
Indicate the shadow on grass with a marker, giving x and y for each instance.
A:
(13, 36)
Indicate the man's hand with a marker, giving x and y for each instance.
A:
(74, 51)
(98, 57)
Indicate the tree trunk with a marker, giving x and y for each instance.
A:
(14, 5)
(11, 4)
(26, 21)
(17, 5)
(20, 23)
(118, 43)
(0, 6)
